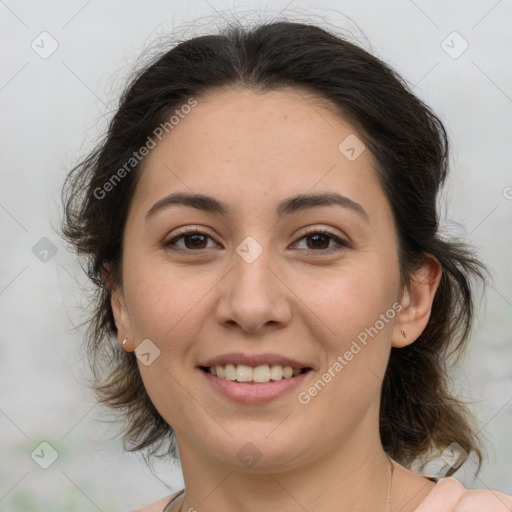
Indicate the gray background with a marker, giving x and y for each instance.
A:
(51, 111)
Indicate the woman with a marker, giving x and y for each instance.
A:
(261, 224)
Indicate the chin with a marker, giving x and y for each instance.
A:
(260, 453)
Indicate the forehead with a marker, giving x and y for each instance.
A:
(253, 148)
(244, 127)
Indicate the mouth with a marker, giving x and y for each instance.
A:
(257, 385)
(261, 374)
(250, 379)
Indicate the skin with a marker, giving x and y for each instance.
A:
(252, 150)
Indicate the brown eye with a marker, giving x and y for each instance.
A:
(193, 240)
(319, 241)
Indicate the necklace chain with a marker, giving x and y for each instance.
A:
(391, 470)
(390, 483)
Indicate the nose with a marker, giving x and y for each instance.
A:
(254, 294)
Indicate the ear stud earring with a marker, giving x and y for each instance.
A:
(126, 345)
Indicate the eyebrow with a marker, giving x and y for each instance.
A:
(286, 207)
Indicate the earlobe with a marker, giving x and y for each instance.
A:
(417, 303)
(121, 318)
(127, 345)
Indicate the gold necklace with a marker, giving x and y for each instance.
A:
(388, 509)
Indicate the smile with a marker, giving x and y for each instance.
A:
(259, 374)
(250, 392)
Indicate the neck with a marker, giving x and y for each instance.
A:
(355, 476)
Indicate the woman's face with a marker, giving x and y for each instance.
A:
(252, 283)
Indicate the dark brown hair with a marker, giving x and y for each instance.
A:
(418, 414)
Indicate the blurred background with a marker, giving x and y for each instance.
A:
(63, 66)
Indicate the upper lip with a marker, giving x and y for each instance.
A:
(254, 360)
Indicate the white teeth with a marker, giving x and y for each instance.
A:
(276, 372)
(229, 372)
(261, 374)
(287, 372)
(243, 373)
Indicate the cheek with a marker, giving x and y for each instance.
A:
(162, 298)
(165, 306)
(349, 299)
(357, 307)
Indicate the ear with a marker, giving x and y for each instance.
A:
(119, 311)
(417, 303)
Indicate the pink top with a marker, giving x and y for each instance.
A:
(448, 495)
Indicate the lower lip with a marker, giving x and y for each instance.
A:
(247, 393)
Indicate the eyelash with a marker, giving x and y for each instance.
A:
(341, 243)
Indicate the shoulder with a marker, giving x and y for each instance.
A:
(157, 506)
(449, 495)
